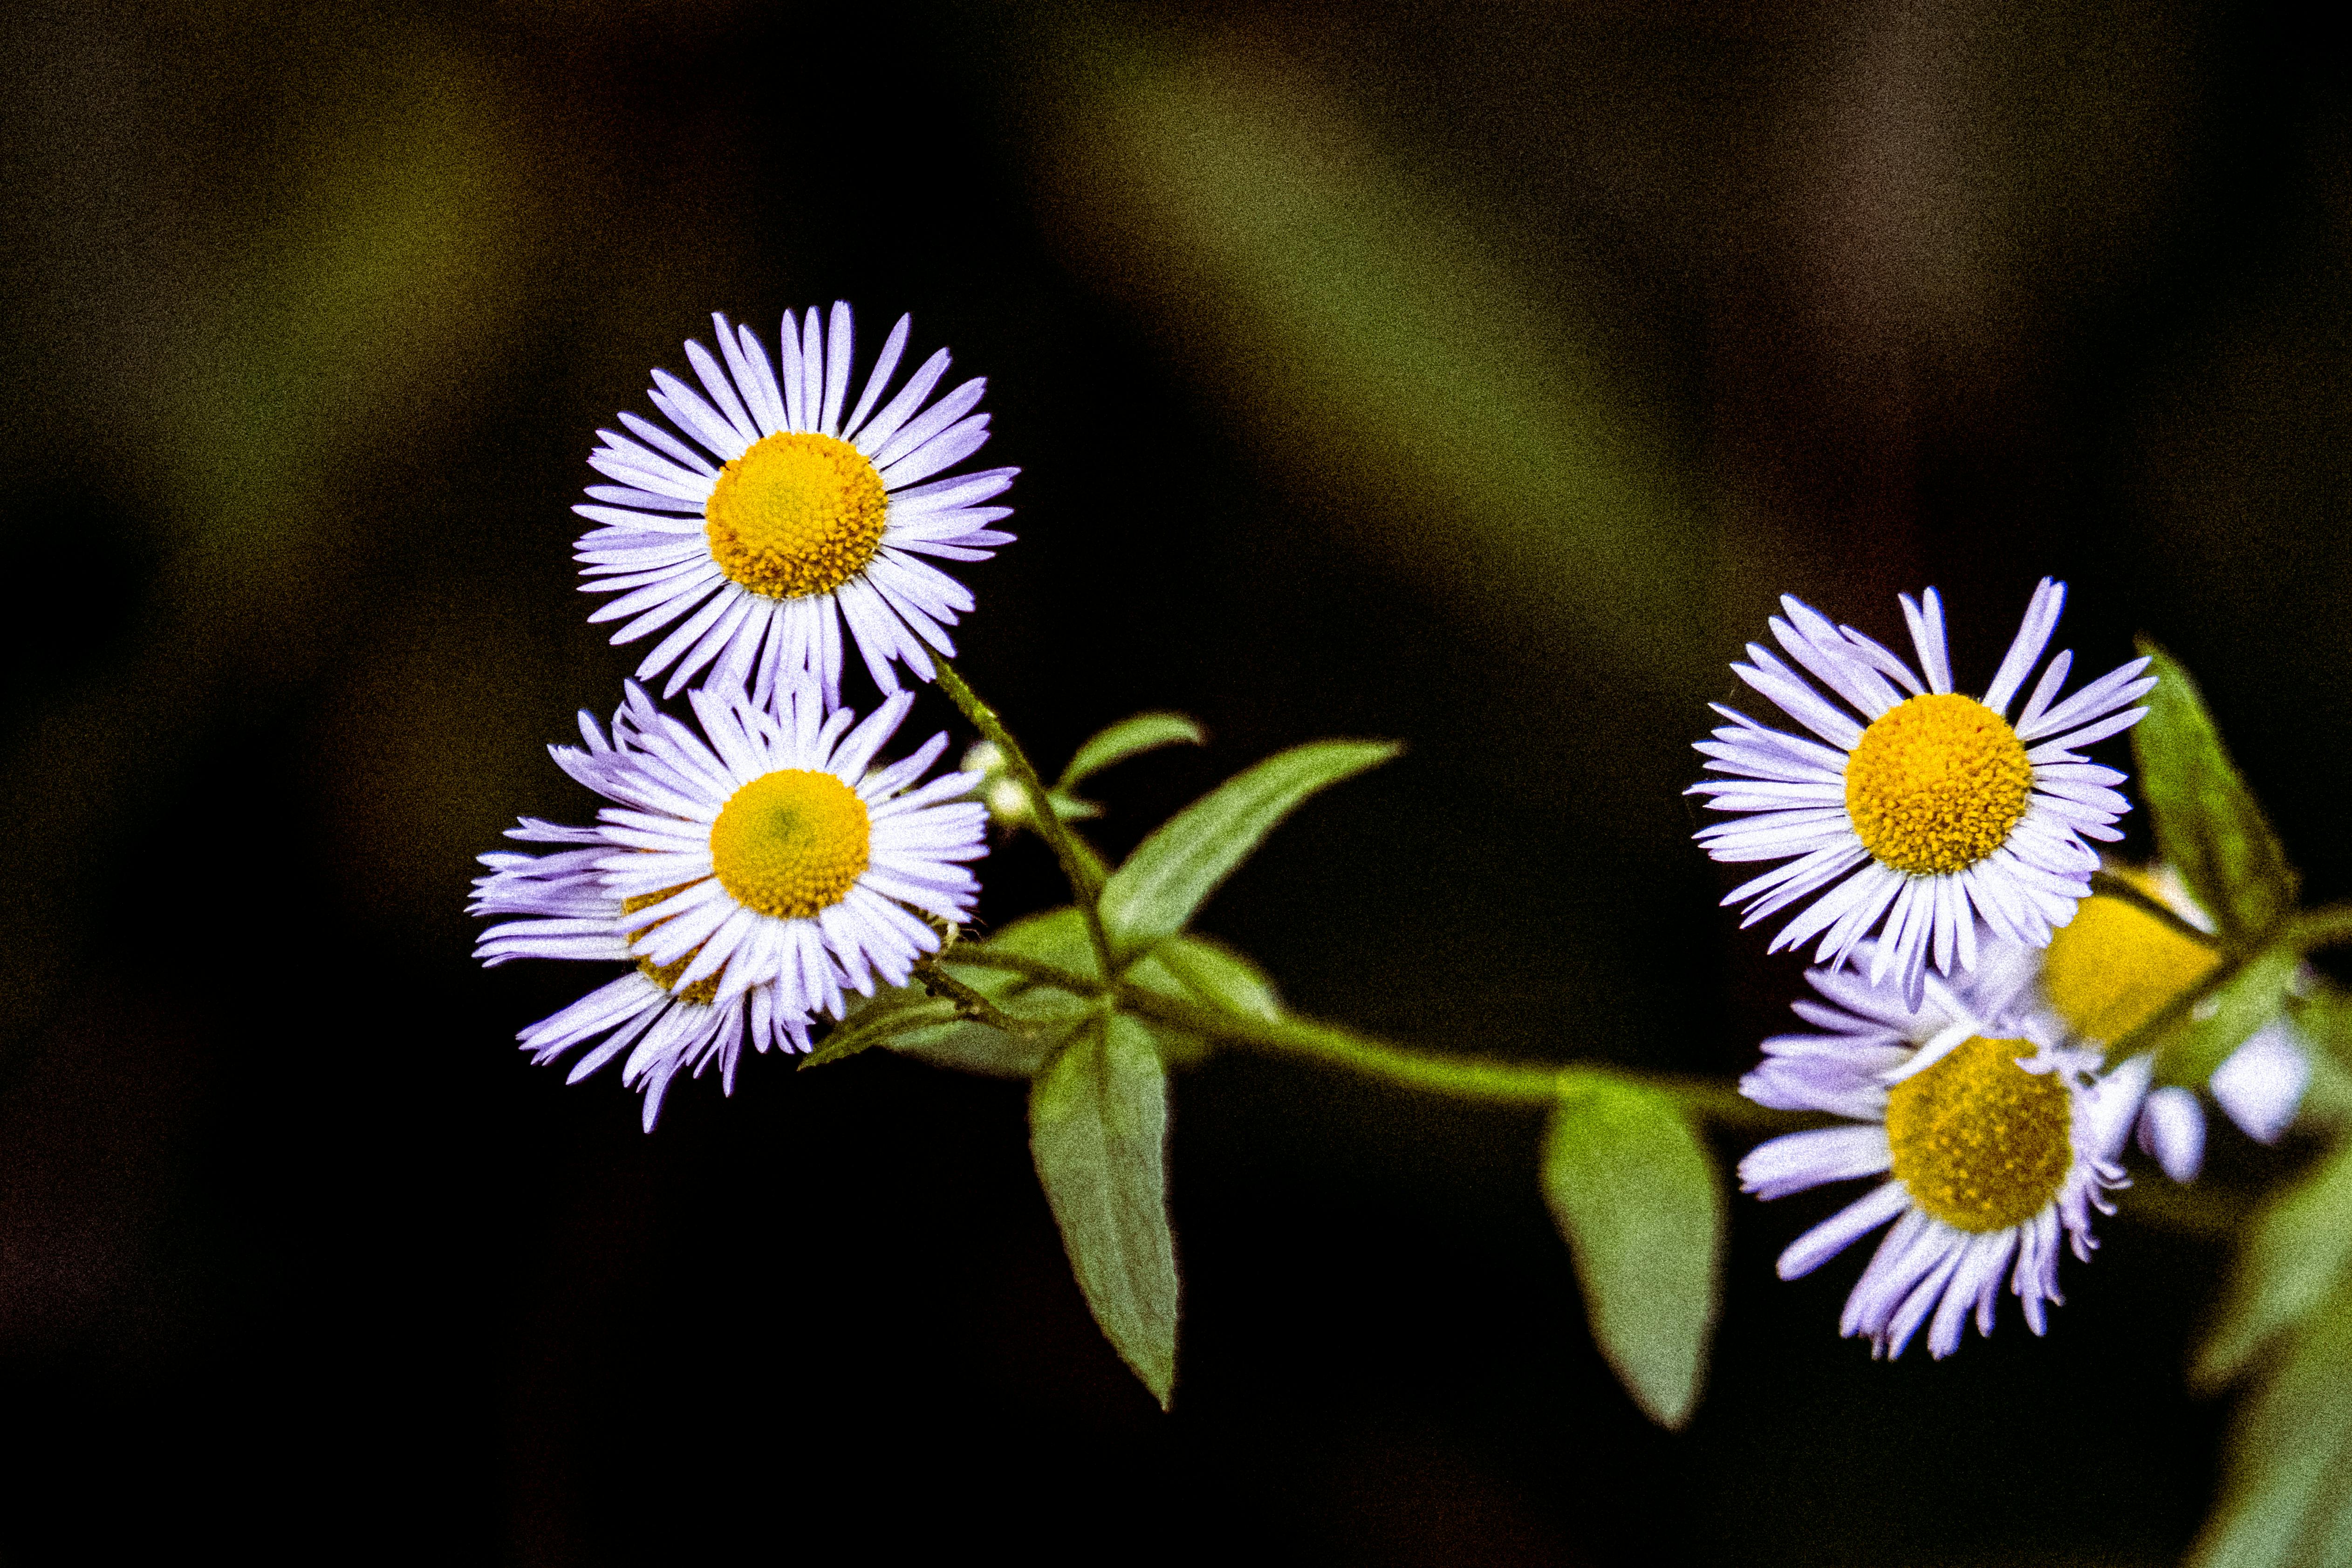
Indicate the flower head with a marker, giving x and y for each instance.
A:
(777, 510)
(770, 848)
(1928, 811)
(750, 873)
(1994, 1142)
(2119, 965)
(567, 912)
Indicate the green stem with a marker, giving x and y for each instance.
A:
(1078, 864)
(1460, 1077)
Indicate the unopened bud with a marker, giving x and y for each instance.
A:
(1007, 801)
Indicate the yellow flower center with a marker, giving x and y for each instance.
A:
(791, 843)
(703, 992)
(1936, 783)
(1981, 1143)
(2118, 966)
(797, 514)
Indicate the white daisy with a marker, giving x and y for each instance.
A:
(771, 850)
(1929, 810)
(777, 510)
(1993, 1140)
(568, 912)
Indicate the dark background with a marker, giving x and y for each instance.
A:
(1473, 375)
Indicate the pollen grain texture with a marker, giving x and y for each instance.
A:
(798, 514)
(1979, 1143)
(1936, 784)
(791, 843)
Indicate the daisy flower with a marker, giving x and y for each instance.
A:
(773, 509)
(566, 912)
(2118, 966)
(1993, 1143)
(1928, 811)
(770, 849)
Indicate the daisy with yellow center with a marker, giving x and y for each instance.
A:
(560, 907)
(776, 510)
(1994, 1142)
(747, 875)
(773, 849)
(1929, 812)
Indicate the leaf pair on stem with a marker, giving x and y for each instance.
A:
(1093, 1003)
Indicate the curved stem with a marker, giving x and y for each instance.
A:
(1078, 864)
(1461, 1077)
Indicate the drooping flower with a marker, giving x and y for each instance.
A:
(1929, 811)
(1993, 1143)
(566, 912)
(777, 510)
(2119, 965)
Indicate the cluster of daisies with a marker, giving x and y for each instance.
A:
(1938, 851)
(759, 859)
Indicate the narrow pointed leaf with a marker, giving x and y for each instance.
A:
(1188, 968)
(1172, 874)
(2298, 1250)
(896, 1012)
(1634, 1193)
(967, 1045)
(1098, 1130)
(1127, 738)
(1195, 968)
(2208, 824)
(1070, 808)
(1057, 937)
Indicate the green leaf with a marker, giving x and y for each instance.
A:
(1057, 937)
(892, 1013)
(1127, 738)
(969, 1045)
(1099, 1130)
(1070, 808)
(1172, 874)
(2190, 1047)
(1187, 968)
(2286, 1499)
(1633, 1190)
(1195, 968)
(2298, 1248)
(2208, 824)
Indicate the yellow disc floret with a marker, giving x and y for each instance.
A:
(1981, 1143)
(791, 843)
(2116, 966)
(1936, 783)
(798, 514)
